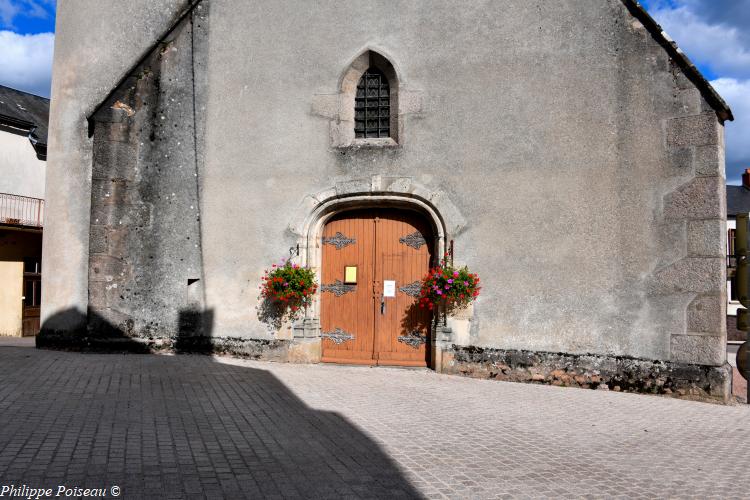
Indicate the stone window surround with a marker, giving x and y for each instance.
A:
(338, 107)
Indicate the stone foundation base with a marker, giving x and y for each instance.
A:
(592, 372)
(586, 371)
(297, 351)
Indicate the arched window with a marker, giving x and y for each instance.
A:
(372, 106)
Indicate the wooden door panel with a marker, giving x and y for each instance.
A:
(403, 255)
(384, 244)
(347, 310)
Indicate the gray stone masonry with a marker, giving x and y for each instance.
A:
(567, 149)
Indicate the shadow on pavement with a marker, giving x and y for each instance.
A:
(177, 427)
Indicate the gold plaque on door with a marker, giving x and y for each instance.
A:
(350, 275)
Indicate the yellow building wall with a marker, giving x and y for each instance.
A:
(11, 303)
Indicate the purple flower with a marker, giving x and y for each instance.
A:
(450, 281)
(447, 287)
(439, 292)
(466, 283)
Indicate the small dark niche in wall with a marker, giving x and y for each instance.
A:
(192, 280)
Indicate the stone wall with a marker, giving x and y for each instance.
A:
(563, 149)
(145, 265)
(617, 373)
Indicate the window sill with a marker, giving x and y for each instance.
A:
(372, 144)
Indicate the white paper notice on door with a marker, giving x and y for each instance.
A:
(389, 288)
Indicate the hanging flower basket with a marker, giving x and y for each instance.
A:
(448, 286)
(290, 287)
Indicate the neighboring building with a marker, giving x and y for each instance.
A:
(567, 151)
(738, 202)
(23, 155)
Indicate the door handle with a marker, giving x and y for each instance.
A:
(382, 304)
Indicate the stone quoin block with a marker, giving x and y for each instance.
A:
(709, 160)
(680, 80)
(117, 242)
(98, 239)
(701, 198)
(109, 191)
(117, 215)
(98, 294)
(698, 349)
(698, 275)
(107, 268)
(696, 130)
(119, 132)
(707, 314)
(395, 184)
(689, 101)
(681, 161)
(706, 238)
(116, 161)
(354, 186)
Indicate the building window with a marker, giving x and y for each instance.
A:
(732, 265)
(372, 106)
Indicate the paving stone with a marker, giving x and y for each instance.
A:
(202, 427)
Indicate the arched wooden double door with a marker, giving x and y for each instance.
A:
(373, 264)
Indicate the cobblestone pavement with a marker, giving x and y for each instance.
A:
(201, 427)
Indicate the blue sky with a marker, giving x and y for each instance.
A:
(713, 33)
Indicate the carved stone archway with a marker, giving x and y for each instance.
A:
(377, 191)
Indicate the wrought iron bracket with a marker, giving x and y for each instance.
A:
(338, 288)
(413, 289)
(414, 240)
(414, 339)
(338, 336)
(339, 241)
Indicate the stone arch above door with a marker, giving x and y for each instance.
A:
(376, 191)
(381, 190)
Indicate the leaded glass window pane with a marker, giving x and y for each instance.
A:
(371, 110)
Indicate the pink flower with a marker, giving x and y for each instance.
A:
(447, 287)
(450, 281)
(439, 292)
(466, 283)
(455, 274)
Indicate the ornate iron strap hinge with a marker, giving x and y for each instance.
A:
(414, 240)
(413, 288)
(414, 339)
(338, 336)
(338, 288)
(339, 241)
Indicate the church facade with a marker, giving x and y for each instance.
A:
(567, 152)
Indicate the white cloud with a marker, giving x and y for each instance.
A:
(737, 94)
(719, 46)
(10, 9)
(26, 61)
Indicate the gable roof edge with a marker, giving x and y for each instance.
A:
(722, 109)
